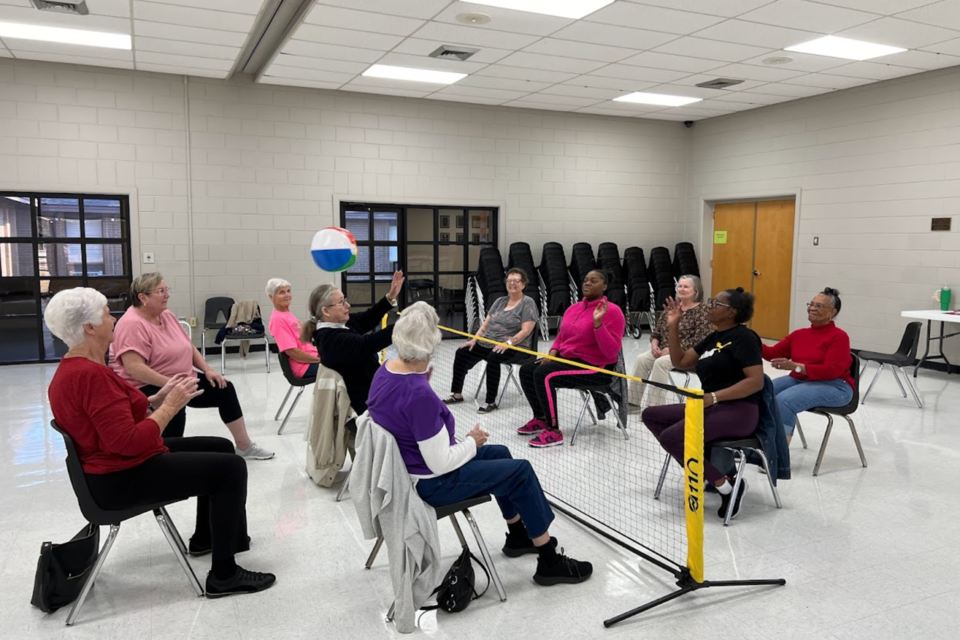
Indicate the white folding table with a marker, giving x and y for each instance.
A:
(943, 317)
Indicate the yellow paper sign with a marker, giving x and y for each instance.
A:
(719, 237)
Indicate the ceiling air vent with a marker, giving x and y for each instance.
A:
(446, 52)
(72, 7)
(719, 83)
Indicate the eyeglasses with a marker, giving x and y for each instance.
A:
(713, 303)
(818, 306)
(342, 303)
(162, 292)
(513, 281)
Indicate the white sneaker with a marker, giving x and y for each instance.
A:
(255, 452)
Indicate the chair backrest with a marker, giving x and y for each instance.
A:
(285, 367)
(910, 341)
(213, 308)
(855, 374)
(88, 507)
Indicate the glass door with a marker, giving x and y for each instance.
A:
(377, 231)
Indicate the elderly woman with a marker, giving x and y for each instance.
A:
(591, 332)
(346, 341)
(117, 431)
(730, 369)
(512, 319)
(655, 365)
(286, 330)
(150, 347)
(445, 471)
(818, 359)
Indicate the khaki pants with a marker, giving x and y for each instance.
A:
(654, 369)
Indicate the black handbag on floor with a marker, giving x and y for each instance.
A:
(62, 569)
(458, 588)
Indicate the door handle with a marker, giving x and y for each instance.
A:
(755, 272)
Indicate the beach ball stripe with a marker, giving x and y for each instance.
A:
(334, 249)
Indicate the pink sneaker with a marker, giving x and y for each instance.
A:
(532, 428)
(547, 438)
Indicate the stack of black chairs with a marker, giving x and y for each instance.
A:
(660, 273)
(555, 279)
(608, 259)
(490, 277)
(685, 261)
(581, 263)
(520, 257)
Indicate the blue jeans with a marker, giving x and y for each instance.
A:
(512, 482)
(795, 396)
(311, 370)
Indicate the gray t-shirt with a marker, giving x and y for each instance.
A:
(506, 324)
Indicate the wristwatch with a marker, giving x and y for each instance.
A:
(510, 342)
(799, 369)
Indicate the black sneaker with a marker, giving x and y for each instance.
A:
(561, 570)
(515, 547)
(487, 408)
(725, 500)
(243, 581)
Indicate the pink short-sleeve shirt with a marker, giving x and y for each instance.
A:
(165, 347)
(285, 329)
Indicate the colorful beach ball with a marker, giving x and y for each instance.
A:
(334, 249)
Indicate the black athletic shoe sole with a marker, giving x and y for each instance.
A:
(550, 581)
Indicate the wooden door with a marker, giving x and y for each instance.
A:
(773, 268)
(733, 260)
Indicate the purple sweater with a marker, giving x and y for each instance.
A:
(578, 340)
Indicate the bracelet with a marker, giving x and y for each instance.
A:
(714, 395)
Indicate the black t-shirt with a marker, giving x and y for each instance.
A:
(723, 357)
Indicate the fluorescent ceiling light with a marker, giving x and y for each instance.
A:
(65, 36)
(657, 98)
(837, 47)
(574, 9)
(414, 75)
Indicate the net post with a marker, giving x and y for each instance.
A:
(693, 484)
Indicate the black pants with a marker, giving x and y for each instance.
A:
(466, 359)
(223, 399)
(541, 381)
(203, 467)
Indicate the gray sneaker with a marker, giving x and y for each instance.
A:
(255, 452)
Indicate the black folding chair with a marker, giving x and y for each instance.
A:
(295, 383)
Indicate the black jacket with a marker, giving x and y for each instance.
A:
(354, 352)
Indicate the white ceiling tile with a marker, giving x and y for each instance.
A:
(251, 7)
(614, 36)
(872, 70)
(726, 8)
(626, 14)
(755, 72)
(921, 59)
(291, 82)
(423, 62)
(674, 89)
(732, 106)
(628, 108)
(519, 73)
(664, 115)
(792, 90)
(535, 24)
(694, 113)
(417, 47)
(424, 9)
(527, 86)
(582, 50)
(900, 33)
(747, 97)
(72, 59)
(321, 64)
(701, 78)
(547, 106)
(192, 16)
(331, 51)
(20, 49)
(199, 49)
(281, 71)
(801, 61)
(94, 22)
(549, 63)
(582, 92)
(499, 94)
(828, 82)
(346, 37)
(810, 16)
(455, 97)
(713, 49)
(600, 111)
(362, 20)
(573, 101)
(115, 8)
(940, 14)
(149, 57)
(182, 71)
(476, 37)
(182, 33)
(884, 7)
(657, 60)
(643, 74)
(4, 53)
(619, 84)
(757, 35)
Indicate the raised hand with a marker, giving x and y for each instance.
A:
(600, 311)
(395, 285)
(672, 308)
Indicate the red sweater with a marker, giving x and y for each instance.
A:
(824, 351)
(578, 340)
(104, 415)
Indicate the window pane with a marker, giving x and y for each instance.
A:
(60, 259)
(18, 339)
(59, 218)
(54, 348)
(481, 226)
(359, 294)
(362, 265)
(380, 290)
(451, 258)
(16, 259)
(385, 225)
(419, 257)
(102, 219)
(420, 288)
(420, 224)
(15, 217)
(456, 220)
(473, 258)
(385, 259)
(17, 297)
(106, 259)
(117, 291)
(358, 223)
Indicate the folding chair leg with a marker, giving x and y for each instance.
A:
(773, 487)
(343, 487)
(173, 529)
(485, 553)
(283, 404)
(203, 343)
(803, 440)
(586, 402)
(616, 413)
(373, 553)
(510, 377)
(483, 379)
(863, 400)
(456, 527)
(903, 391)
(663, 476)
(913, 389)
(736, 487)
(823, 445)
(293, 406)
(856, 440)
(163, 519)
(266, 352)
(111, 538)
(223, 357)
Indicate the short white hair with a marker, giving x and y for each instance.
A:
(69, 310)
(416, 335)
(275, 283)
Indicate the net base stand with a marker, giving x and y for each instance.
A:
(688, 585)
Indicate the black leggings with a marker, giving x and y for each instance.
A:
(541, 381)
(223, 399)
(204, 467)
(466, 359)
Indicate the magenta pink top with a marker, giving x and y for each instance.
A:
(165, 347)
(285, 329)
